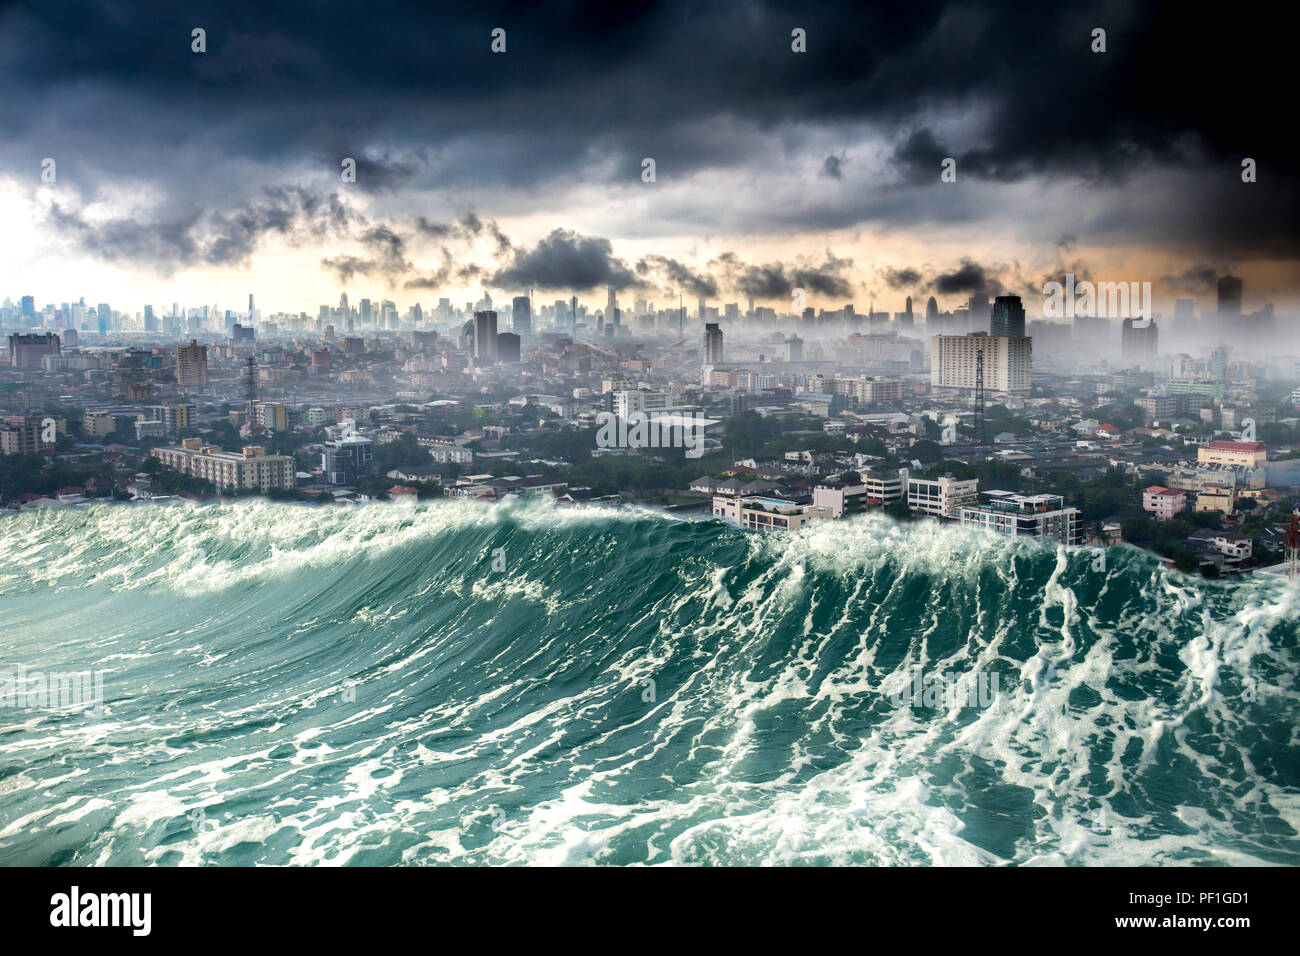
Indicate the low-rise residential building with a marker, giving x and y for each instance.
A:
(1223, 498)
(1037, 516)
(444, 451)
(344, 459)
(763, 514)
(22, 435)
(1163, 502)
(941, 497)
(884, 488)
(144, 428)
(835, 499)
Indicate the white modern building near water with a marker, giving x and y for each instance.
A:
(1035, 516)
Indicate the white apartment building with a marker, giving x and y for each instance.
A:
(251, 467)
(444, 451)
(882, 489)
(1008, 361)
(762, 514)
(1164, 503)
(832, 498)
(1035, 516)
(941, 497)
(627, 401)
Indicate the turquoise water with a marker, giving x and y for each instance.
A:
(463, 683)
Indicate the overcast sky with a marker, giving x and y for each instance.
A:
(201, 177)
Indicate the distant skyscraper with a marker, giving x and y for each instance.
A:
(1139, 343)
(1219, 362)
(508, 348)
(931, 310)
(192, 365)
(522, 313)
(573, 312)
(611, 308)
(978, 309)
(1008, 316)
(702, 311)
(26, 351)
(485, 336)
(712, 344)
(104, 317)
(1229, 296)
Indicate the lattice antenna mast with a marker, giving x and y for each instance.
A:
(250, 382)
(1293, 546)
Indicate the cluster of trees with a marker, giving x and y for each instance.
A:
(23, 474)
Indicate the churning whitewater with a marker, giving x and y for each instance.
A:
(510, 684)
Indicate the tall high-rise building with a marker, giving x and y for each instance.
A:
(1229, 296)
(1219, 362)
(522, 313)
(1139, 343)
(192, 365)
(508, 348)
(1007, 363)
(103, 317)
(485, 336)
(712, 344)
(611, 308)
(150, 323)
(26, 351)
(573, 312)
(931, 310)
(1007, 317)
(702, 311)
(978, 311)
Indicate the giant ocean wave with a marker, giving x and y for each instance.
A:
(463, 683)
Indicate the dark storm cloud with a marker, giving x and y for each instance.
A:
(778, 280)
(971, 278)
(1197, 278)
(1010, 90)
(901, 278)
(672, 276)
(438, 277)
(192, 237)
(387, 257)
(566, 260)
